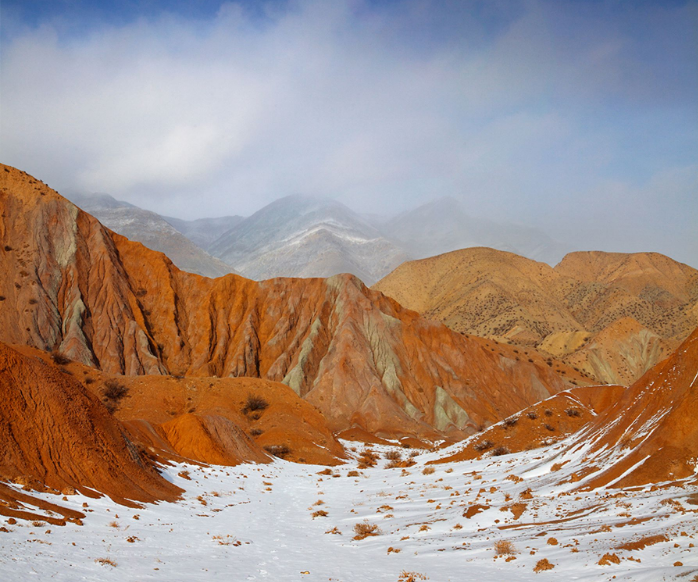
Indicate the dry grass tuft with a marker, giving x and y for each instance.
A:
(504, 548)
(365, 529)
(406, 576)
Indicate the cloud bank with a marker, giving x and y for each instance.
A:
(579, 117)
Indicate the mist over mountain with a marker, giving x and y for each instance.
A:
(444, 225)
(311, 236)
(153, 231)
(304, 236)
(203, 232)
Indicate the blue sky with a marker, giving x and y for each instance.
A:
(578, 117)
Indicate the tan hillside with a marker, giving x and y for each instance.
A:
(359, 357)
(610, 315)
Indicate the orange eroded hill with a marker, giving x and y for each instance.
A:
(54, 432)
(610, 315)
(541, 424)
(224, 421)
(621, 437)
(359, 357)
(651, 434)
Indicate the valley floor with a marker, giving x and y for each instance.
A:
(255, 522)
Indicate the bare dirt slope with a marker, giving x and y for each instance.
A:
(611, 315)
(623, 437)
(54, 432)
(358, 356)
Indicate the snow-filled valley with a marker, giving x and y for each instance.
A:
(500, 517)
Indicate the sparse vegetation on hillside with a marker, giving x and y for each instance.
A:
(254, 403)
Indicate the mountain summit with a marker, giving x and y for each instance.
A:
(304, 236)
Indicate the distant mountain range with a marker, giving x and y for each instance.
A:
(158, 234)
(304, 236)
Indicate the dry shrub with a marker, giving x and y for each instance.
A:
(320, 513)
(365, 529)
(112, 394)
(504, 548)
(353, 474)
(406, 576)
(511, 421)
(256, 432)
(334, 531)
(60, 359)
(184, 475)
(572, 412)
(281, 451)
(106, 562)
(254, 403)
(532, 414)
(499, 451)
(484, 445)
(550, 428)
(428, 471)
(367, 459)
(393, 455)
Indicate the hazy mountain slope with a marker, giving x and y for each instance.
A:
(622, 315)
(301, 236)
(444, 225)
(153, 231)
(203, 232)
(359, 357)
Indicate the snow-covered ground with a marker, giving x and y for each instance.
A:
(255, 522)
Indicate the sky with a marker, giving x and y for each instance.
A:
(577, 117)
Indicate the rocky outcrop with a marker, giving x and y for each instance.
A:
(359, 357)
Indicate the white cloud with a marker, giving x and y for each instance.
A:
(520, 112)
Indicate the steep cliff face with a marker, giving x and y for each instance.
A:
(357, 355)
(54, 432)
